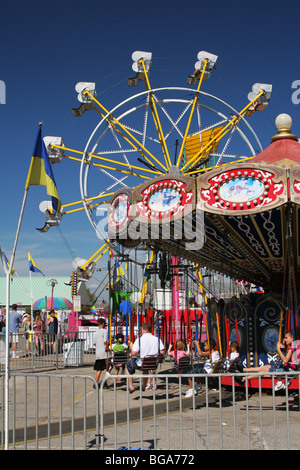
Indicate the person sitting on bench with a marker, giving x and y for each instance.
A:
(234, 366)
(145, 345)
(209, 350)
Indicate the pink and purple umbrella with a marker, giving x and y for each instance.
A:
(53, 302)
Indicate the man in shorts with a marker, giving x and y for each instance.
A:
(15, 320)
(52, 330)
(101, 343)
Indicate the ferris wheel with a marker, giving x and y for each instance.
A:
(155, 132)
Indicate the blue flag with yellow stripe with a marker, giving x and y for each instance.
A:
(6, 263)
(40, 172)
(33, 266)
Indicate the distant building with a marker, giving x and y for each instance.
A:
(20, 290)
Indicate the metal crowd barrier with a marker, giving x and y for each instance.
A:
(67, 411)
(50, 411)
(215, 418)
(47, 351)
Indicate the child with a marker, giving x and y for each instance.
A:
(209, 349)
(38, 327)
(119, 349)
(288, 358)
(27, 330)
(178, 353)
(101, 343)
(234, 351)
(234, 355)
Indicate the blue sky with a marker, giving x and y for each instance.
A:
(47, 47)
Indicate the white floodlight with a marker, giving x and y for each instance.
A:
(210, 59)
(137, 67)
(84, 273)
(81, 87)
(263, 100)
(55, 154)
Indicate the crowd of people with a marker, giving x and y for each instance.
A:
(33, 327)
(149, 345)
(128, 358)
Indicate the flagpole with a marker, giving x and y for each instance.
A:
(31, 300)
(6, 374)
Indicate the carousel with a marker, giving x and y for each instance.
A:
(176, 190)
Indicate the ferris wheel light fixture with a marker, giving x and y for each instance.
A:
(85, 100)
(207, 60)
(82, 87)
(262, 101)
(52, 143)
(137, 66)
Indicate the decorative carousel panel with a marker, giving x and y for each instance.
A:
(295, 184)
(297, 231)
(236, 313)
(267, 322)
(242, 189)
(119, 213)
(230, 251)
(263, 234)
(167, 197)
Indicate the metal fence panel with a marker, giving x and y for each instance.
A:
(69, 411)
(48, 351)
(51, 411)
(213, 419)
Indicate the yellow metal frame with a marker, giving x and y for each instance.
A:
(191, 115)
(156, 118)
(221, 134)
(91, 155)
(219, 166)
(96, 259)
(145, 285)
(126, 132)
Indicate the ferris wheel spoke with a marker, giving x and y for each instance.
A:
(143, 134)
(119, 145)
(134, 142)
(116, 180)
(89, 156)
(145, 124)
(239, 160)
(87, 201)
(221, 133)
(116, 152)
(129, 165)
(156, 118)
(226, 144)
(141, 129)
(174, 123)
(99, 165)
(191, 115)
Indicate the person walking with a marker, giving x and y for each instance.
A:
(101, 343)
(15, 320)
(52, 330)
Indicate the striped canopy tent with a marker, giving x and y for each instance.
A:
(53, 302)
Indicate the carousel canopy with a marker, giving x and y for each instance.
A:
(241, 219)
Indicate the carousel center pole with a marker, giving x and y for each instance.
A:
(175, 295)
